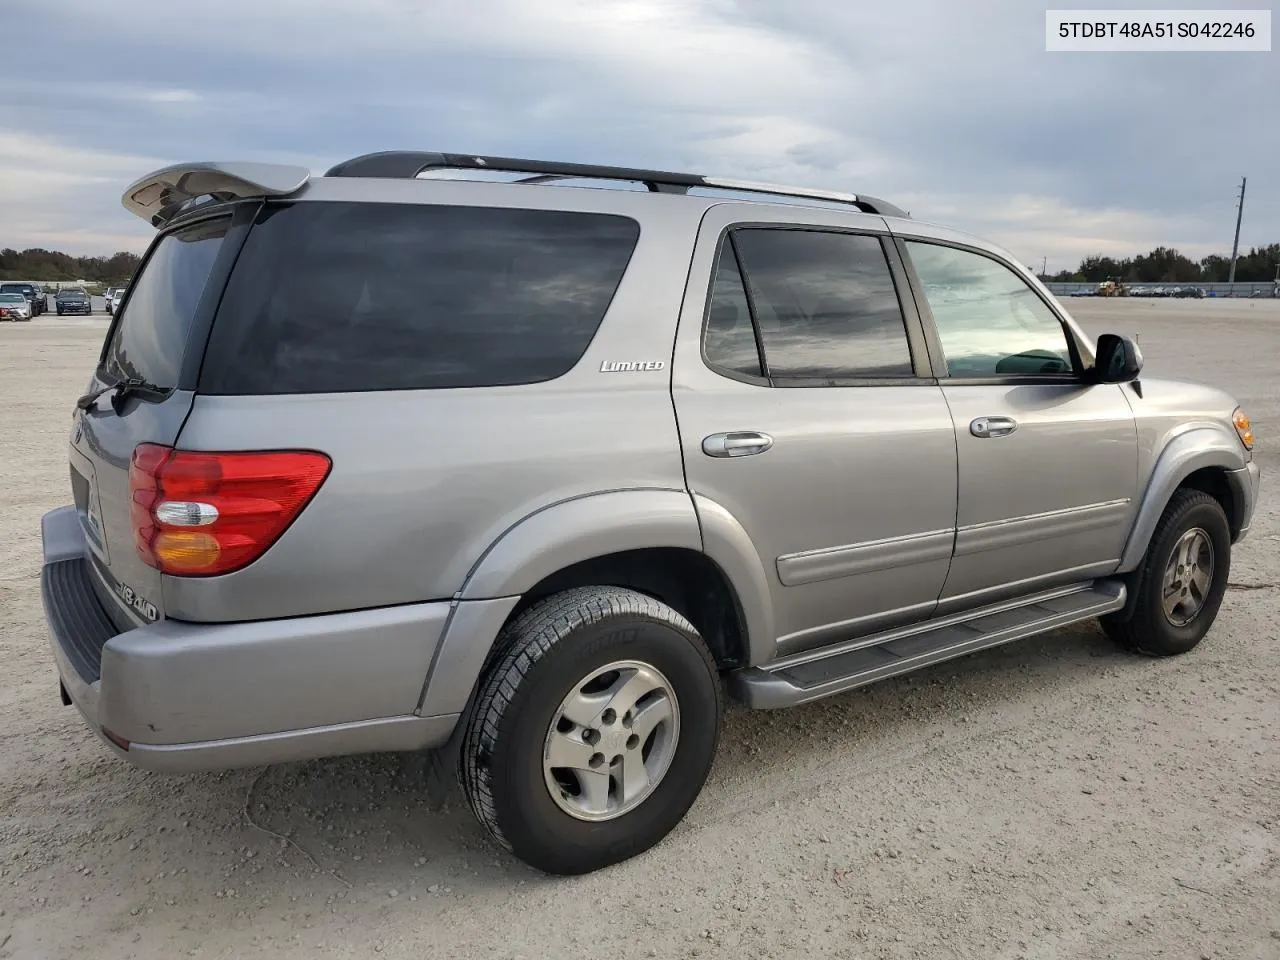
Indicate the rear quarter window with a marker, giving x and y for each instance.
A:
(149, 337)
(342, 297)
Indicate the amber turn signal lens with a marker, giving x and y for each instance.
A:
(1243, 427)
(186, 551)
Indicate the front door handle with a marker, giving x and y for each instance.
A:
(988, 427)
(737, 443)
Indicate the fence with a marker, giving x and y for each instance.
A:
(1265, 288)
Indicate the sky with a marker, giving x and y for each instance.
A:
(952, 110)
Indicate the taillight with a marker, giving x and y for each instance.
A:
(202, 514)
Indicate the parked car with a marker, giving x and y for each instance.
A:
(14, 306)
(114, 298)
(106, 297)
(381, 463)
(72, 300)
(33, 293)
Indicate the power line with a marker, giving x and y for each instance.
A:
(1235, 245)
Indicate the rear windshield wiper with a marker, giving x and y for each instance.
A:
(120, 389)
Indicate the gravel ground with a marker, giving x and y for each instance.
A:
(1053, 798)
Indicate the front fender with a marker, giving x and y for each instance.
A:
(1202, 446)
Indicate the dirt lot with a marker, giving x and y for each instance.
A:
(1051, 799)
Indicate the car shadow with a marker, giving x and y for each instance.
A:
(389, 816)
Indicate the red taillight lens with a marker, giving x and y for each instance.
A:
(203, 514)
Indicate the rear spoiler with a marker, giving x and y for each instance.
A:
(160, 196)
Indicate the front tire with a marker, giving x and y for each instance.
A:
(1182, 581)
(593, 732)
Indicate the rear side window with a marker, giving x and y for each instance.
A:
(825, 303)
(731, 339)
(340, 297)
(150, 336)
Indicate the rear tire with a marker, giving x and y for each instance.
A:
(644, 691)
(1182, 580)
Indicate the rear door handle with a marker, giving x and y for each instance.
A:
(989, 427)
(737, 443)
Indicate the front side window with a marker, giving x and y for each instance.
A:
(990, 322)
(825, 304)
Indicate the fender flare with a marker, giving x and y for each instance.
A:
(539, 544)
(1202, 446)
(600, 524)
(570, 531)
(729, 546)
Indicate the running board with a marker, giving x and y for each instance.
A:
(807, 677)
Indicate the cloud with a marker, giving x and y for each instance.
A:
(171, 96)
(57, 195)
(953, 112)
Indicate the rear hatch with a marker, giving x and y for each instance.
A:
(155, 339)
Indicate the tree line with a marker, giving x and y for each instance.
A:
(52, 266)
(1167, 265)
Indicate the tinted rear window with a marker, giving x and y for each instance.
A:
(825, 304)
(337, 297)
(150, 334)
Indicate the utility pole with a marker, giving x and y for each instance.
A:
(1235, 246)
(1044, 266)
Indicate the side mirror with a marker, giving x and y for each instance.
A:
(1118, 359)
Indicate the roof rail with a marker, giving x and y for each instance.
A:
(163, 194)
(407, 164)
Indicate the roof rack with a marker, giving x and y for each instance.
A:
(407, 164)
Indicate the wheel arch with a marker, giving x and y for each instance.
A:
(1205, 458)
(699, 561)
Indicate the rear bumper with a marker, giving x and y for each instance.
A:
(189, 697)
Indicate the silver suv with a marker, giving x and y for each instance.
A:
(384, 460)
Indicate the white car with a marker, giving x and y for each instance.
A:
(114, 296)
(14, 306)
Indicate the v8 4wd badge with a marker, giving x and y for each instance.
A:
(138, 603)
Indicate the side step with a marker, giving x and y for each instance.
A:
(817, 674)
